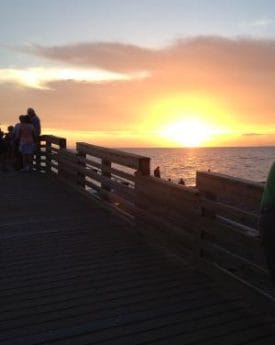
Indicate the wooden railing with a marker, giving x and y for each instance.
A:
(169, 213)
(109, 175)
(213, 225)
(45, 159)
(210, 225)
(231, 244)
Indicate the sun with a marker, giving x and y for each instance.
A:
(189, 132)
(187, 119)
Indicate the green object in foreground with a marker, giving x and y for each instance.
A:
(268, 198)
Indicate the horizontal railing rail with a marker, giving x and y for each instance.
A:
(140, 163)
(240, 193)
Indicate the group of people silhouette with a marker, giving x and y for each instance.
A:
(19, 143)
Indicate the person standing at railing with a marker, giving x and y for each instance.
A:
(267, 221)
(17, 156)
(37, 130)
(35, 120)
(26, 137)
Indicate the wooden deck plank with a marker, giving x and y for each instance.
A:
(73, 273)
(68, 315)
(131, 331)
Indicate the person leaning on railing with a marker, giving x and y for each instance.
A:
(267, 221)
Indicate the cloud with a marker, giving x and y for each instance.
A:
(40, 77)
(258, 23)
(201, 62)
(208, 52)
(109, 56)
(264, 22)
(251, 134)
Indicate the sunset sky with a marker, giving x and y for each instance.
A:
(136, 73)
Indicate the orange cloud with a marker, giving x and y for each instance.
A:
(110, 56)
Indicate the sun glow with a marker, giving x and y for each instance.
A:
(189, 132)
(189, 119)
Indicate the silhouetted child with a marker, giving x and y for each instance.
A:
(9, 142)
(181, 181)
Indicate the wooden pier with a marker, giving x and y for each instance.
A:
(94, 250)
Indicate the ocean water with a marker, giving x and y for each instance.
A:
(252, 163)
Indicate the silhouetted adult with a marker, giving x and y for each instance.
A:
(35, 121)
(17, 156)
(267, 221)
(26, 137)
(157, 172)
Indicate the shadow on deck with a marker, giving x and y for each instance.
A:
(74, 273)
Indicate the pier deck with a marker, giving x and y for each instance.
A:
(74, 273)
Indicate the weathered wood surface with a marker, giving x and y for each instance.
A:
(130, 160)
(238, 192)
(73, 273)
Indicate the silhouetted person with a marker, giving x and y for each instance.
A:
(181, 181)
(35, 121)
(3, 151)
(26, 137)
(9, 142)
(157, 172)
(267, 221)
(17, 156)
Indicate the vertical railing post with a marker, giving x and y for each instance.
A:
(48, 155)
(81, 161)
(62, 146)
(62, 143)
(205, 213)
(143, 167)
(142, 171)
(38, 155)
(106, 172)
